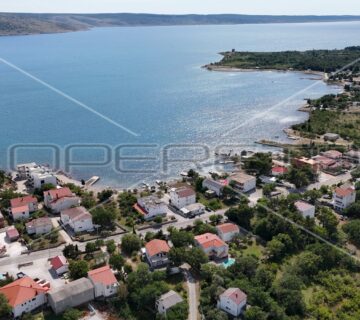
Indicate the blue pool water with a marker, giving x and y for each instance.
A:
(229, 262)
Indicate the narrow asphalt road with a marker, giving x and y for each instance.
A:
(193, 299)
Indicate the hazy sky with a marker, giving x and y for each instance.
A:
(299, 7)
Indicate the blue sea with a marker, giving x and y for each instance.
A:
(66, 98)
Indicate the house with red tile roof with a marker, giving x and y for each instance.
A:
(232, 301)
(157, 253)
(104, 282)
(60, 199)
(343, 197)
(227, 231)
(279, 171)
(20, 208)
(59, 264)
(78, 219)
(182, 197)
(212, 245)
(12, 234)
(24, 295)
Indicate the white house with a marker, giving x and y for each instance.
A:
(23, 170)
(39, 226)
(232, 301)
(167, 301)
(104, 282)
(212, 245)
(343, 198)
(306, 209)
(182, 197)
(20, 208)
(39, 176)
(214, 185)
(59, 264)
(157, 253)
(60, 199)
(193, 210)
(78, 218)
(20, 213)
(227, 231)
(150, 207)
(243, 182)
(24, 295)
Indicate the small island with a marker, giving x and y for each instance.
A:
(326, 61)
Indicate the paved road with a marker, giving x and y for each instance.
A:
(193, 299)
(183, 222)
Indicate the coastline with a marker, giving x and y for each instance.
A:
(218, 68)
(296, 138)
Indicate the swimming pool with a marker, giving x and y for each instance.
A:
(228, 262)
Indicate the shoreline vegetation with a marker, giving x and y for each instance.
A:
(339, 114)
(46, 23)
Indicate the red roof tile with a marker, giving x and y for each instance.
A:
(58, 262)
(281, 170)
(22, 290)
(156, 246)
(102, 275)
(235, 294)
(208, 240)
(344, 192)
(59, 193)
(12, 232)
(185, 192)
(228, 227)
(20, 209)
(22, 201)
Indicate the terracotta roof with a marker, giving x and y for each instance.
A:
(22, 290)
(302, 205)
(228, 227)
(22, 201)
(12, 232)
(102, 275)
(139, 209)
(185, 192)
(156, 246)
(208, 240)
(279, 170)
(344, 192)
(21, 209)
(58, 262)
(39, 222)
(59, 193)
(77, 213)
(235, 294)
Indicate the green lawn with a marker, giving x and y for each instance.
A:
(254, 249)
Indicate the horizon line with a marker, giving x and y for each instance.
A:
(188, 14)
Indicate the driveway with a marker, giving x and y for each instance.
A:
(13, 249)
(193, 298)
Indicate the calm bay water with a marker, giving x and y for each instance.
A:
(151, 81)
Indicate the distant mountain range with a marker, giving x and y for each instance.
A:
(26, 23)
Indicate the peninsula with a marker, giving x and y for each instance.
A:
(314, 60)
